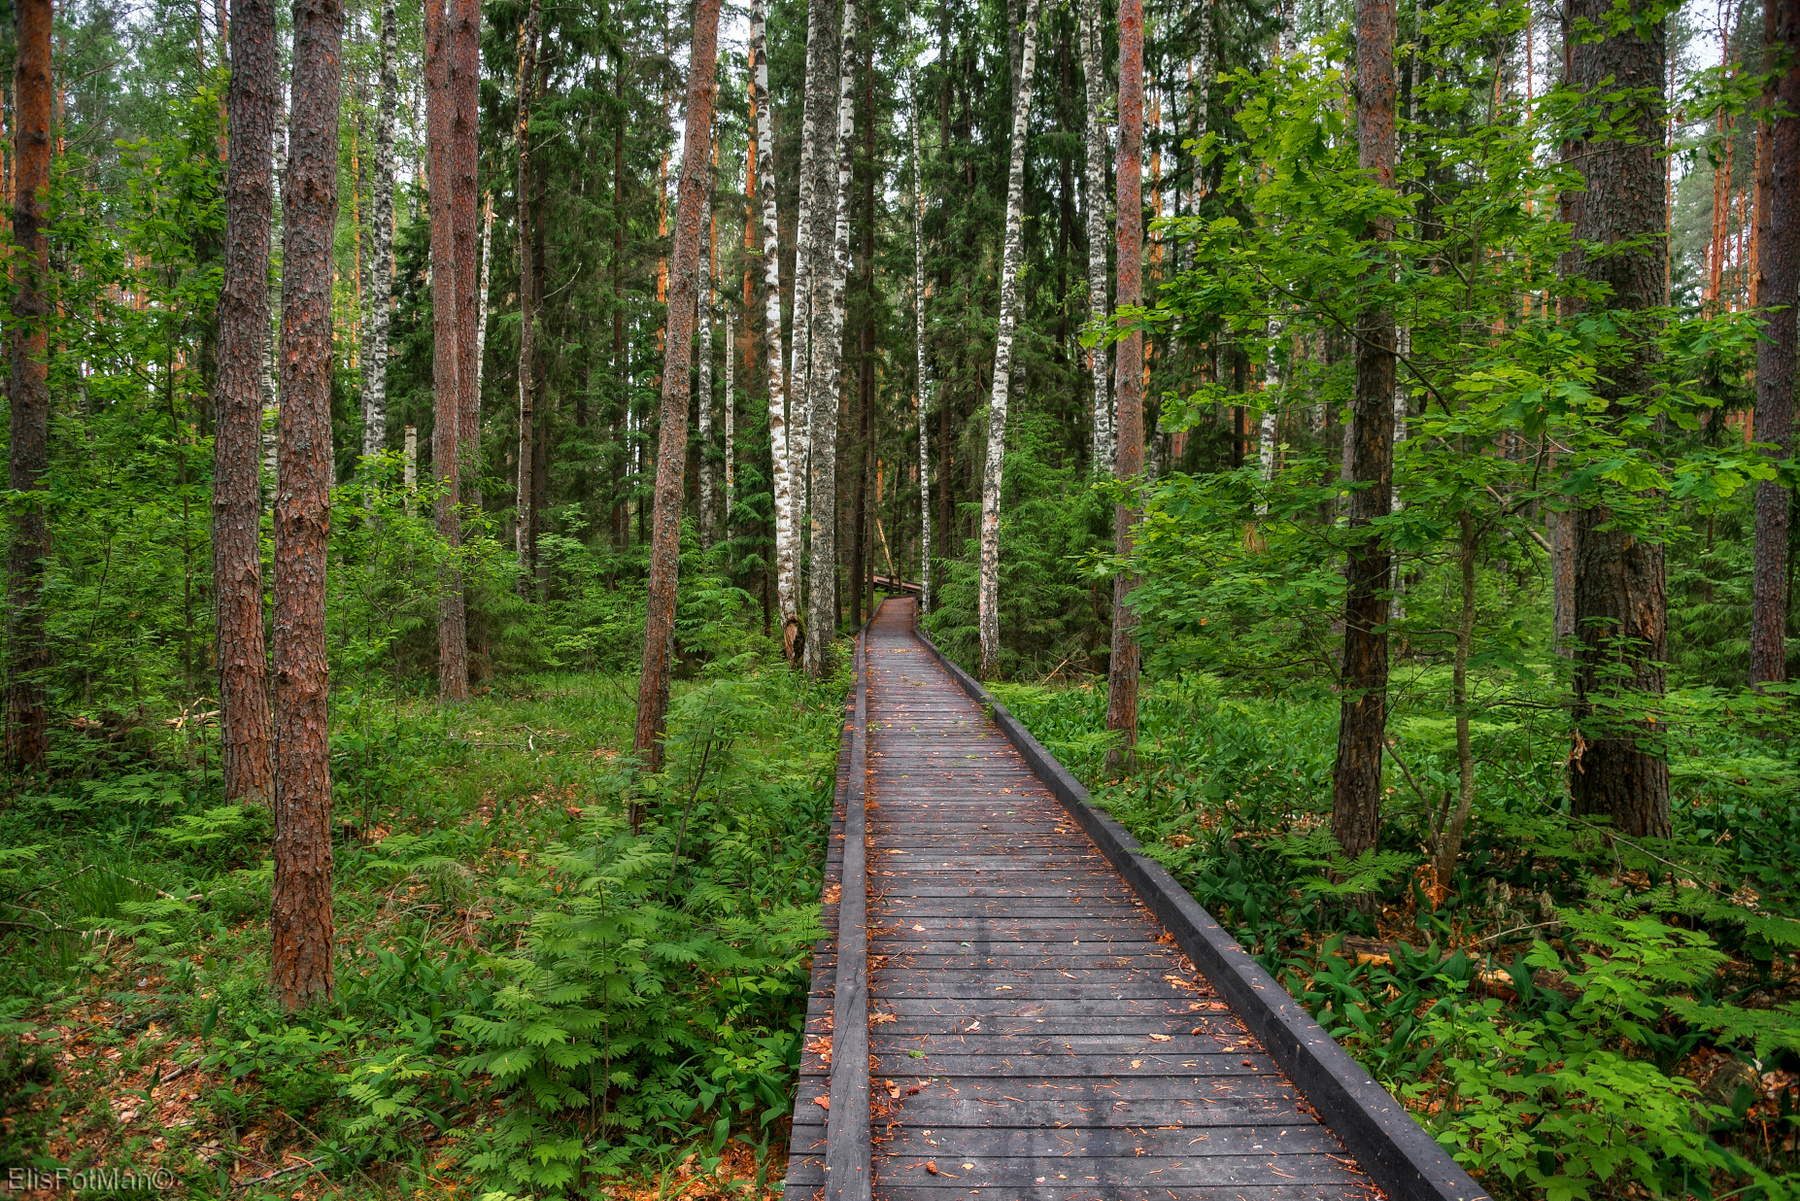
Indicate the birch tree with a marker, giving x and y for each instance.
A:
(381, 240)
(828, 360)
(703, 406)
(730, 423)
(1095, 184)
(922, 391)
(300, 921)
(251, 102)
(989, 606)
(812, 229)
(671, 459)
(786, 572)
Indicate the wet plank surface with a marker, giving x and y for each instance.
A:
(1034, 1031)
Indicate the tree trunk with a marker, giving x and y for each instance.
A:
(1620, 602)
(989, 607)
(730, 421)
(251, 104)
(1265, 438)
(812, 234)
(381, 243)
(671, 462)
(1448, 843)
(1778, 252)
(862, 559)
(1362, 720)
(1128, 427)
(786, 570)
(28, 451)
(828, 364)
(922, 385)
(465, 131)
(523, 509)
(704, 402)
(301, 918)
(1094, 183)
(481, 287)
(453, 639)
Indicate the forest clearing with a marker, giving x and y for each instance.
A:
(1209, 585)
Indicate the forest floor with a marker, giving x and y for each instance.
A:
(136, 1030)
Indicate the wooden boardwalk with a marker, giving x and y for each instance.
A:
(1033, 1030)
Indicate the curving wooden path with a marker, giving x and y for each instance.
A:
(1033, 1030)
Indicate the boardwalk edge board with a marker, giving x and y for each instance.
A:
(848, 1151)
(1396, 1152)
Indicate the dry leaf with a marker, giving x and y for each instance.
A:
(879, 1019)
(822, 1102)
(1159, 1038)
(931, 1166)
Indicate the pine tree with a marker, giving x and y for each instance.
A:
(525, 536)
(381, 242)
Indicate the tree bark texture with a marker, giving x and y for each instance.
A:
(523, 539)
(730, 415)
(1621, 603)
(787, 582)
(453, 637)
(465, 134)
(703, 404)
(381, 239)
(922, 394)
(828, 366)
(812, 234)
(301, 917)
(251, 103)
(28, 449)
(671, 461)
(988, 608)
(1094, 183)
(1778, 252)
(1128, 426)
(1362, 720)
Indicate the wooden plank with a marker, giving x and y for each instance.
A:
(848, 1154)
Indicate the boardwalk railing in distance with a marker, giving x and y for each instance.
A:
(1404, 1161)
(847, 1148)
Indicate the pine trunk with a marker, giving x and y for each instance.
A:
(671, 461)
(1362, 719)
(465, 132)
(1094, 183)
(301, 914)
(28, 449)
(453, 641)
(786, 570)
(523, 509)
(251, 105)
(922, 385)
(1778, 251)
(1620, 600)
(828, 364)
(381, 241)
(988, 613)
(1128, 427)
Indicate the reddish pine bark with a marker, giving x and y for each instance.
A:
(301, 919)
(1128, 383)
(671, 459)
(237, 404)
(465, 131)
(28, 451)
(1778, 246)
(1362, 721)
(1621, 605)
(453, 639)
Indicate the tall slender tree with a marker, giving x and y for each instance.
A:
(922, 384)
(465, 154)
(787, 583)
(812, 235)
(1621, 599)
(28, 448)
(251, 103)
(525, 537)
(828, 364)
(381, 239)
(1362, 720)
(988, 607)
(1128, 427)
(1094, 187)
(671, 461)
(446, 445)
(301, 914)
(1778, 249)
(703, 403)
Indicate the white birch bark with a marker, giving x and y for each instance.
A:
(703, 398)
(730, 422)
(381, 245)
(828, 360)
(1396, 580)
(1095, 183)
(811, 229)
(481, 290)
(786, 576)
(922, 395)
(989, 615)
(1265, 442)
